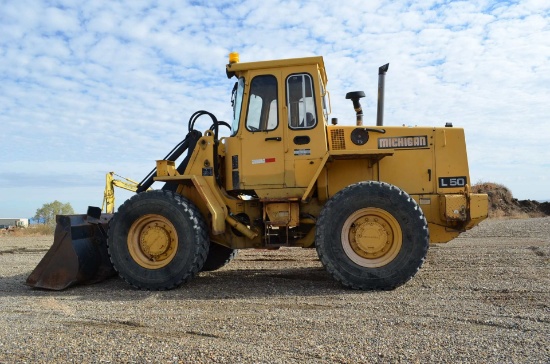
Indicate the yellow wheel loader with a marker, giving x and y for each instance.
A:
(369, 199)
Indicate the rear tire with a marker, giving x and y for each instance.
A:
(158, 240)
(372, 235)
(218, 256)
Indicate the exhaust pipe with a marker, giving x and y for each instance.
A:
(381, 87)
(356, 95)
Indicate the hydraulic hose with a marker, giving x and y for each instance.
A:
(189, 142)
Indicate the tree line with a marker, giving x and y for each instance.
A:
(46, 214)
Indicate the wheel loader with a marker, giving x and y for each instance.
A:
(369, 198)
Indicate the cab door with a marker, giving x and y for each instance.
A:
(262, 136)
(305, 126)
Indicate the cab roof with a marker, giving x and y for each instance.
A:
(280, 63)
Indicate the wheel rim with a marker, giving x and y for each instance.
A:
(371, 237)
(152, 241)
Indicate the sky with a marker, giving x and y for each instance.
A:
(88, 87)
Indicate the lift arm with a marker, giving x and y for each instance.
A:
(109, 194)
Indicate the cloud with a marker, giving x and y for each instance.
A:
(90, 87)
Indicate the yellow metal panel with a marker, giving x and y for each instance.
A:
(479, 205)
(283, 213)
(411, 170)
(322, 185)
(305, 171)
(280, 193)
(281, 63)
(210, 196)
(166, 168)
(314, 177)
(411, 167)
(262, 152)
(450, 159)
(441, 234)
(304, 148)
(429, 205)
(434, 208)
(342, 173)
(262, 164)
(379, 137)
(453, 207)
(405, 157)
(215, 204)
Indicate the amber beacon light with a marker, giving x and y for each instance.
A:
(233, 57)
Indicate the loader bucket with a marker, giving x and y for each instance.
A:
(78, 254)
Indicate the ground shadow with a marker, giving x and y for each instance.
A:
(217, 285)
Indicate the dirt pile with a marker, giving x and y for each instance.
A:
(503, 204)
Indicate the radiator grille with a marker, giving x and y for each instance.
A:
(337, 139)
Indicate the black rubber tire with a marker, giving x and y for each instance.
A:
(191, 229)
(218, 256)
(402, 208)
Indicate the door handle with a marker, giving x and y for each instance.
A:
(277, 139)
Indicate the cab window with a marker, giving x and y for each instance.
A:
(262, 105)
(236, 103)
(300, 102)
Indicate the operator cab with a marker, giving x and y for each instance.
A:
(278, 136)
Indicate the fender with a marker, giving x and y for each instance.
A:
(166, 172)
(373, 156)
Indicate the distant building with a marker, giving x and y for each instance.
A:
(9, 222)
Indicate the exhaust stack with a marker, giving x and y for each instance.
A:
(381, 87)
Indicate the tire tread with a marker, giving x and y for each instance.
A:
(200, 230)
(382, 190)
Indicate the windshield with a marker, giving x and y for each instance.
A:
(236, 102)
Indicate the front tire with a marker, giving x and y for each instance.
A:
(158, 240)
(372, 235)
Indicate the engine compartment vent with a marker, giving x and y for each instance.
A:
(337, 139)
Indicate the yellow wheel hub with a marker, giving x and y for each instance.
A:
(152, 241)
(371, 237)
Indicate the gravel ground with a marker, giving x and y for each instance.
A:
(484, 297)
